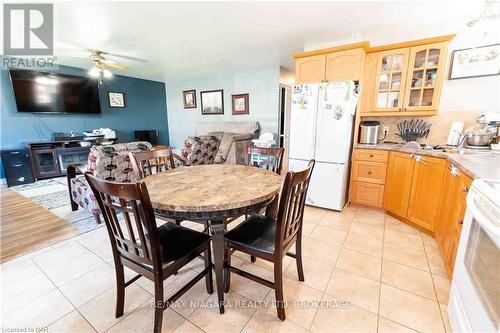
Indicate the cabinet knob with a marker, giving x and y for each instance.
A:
(369, 172)
(371, 155)
(405, 108)
(460, 221)
(465, 189)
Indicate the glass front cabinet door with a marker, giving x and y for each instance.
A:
(392, 67)
(425, 76)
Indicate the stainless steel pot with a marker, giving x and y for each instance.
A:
(476, 139)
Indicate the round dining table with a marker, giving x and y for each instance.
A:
(211, 194)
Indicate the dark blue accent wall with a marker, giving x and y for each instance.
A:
(145, 109)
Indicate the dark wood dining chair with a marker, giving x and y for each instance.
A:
(147, 163)
(273, 161)
(273, 158)
(137, 243)
(270, 239)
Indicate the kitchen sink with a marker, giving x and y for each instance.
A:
(465, 151)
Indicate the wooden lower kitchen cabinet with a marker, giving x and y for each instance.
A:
(426, 192)
(453, 225)
(368, 174)
(413, 188)
(446, 199)
(425, 195)
(398, 183)
(451, 216)
(367, 194)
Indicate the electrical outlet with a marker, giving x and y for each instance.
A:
(385, 129)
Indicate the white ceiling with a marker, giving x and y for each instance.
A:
(180, 40)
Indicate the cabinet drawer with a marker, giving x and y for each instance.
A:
(370, 172)
(367, 193)
(371, 155)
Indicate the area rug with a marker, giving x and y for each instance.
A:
(53, 195)
(52, 200)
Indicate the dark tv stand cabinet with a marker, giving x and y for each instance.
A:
(47, 157)
(51, 158)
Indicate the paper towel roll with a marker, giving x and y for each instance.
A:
(455, 130)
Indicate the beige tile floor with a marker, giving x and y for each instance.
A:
(364, 272)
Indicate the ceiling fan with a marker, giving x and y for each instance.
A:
(490, 13)
(100, 63)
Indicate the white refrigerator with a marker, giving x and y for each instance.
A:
(321, 123)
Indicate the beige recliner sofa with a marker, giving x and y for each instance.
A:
(232, 137)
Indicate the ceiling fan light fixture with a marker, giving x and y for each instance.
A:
(490, 13)
(107, 74)
(95, 72)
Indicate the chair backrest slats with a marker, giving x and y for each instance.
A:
(273, 158)
(147, 163)
(291, 206)
(140, 230)
(135, 236)
(128, 223)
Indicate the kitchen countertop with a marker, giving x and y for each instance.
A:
(475, 164)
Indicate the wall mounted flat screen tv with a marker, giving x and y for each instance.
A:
(45, 92)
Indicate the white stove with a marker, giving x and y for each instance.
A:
(474, 304)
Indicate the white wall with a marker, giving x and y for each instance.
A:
(262, 85)
(480, 94)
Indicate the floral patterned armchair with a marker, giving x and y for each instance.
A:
(198, 150)
(106, 162)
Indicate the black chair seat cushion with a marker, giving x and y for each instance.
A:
(257, 232)
(177, 242)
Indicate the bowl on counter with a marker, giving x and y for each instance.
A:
(479, 139)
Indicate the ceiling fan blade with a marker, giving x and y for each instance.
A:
(124, 56)
(79, 58)
(117, 66)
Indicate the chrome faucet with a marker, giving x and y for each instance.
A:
(461, 139)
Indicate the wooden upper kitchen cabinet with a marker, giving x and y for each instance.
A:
(344, 65)
(409, 80)
(392, 67)
(426, 188)
(405, 79)
(334, 66)
(398, 183)
(310, 69)
(425, 77)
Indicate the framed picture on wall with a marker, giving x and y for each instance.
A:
(116, 99)
(212, 101)
(240, 104)
(475, 62)
(189, 98)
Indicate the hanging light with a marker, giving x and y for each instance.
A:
(95, 72)
(107, 74)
